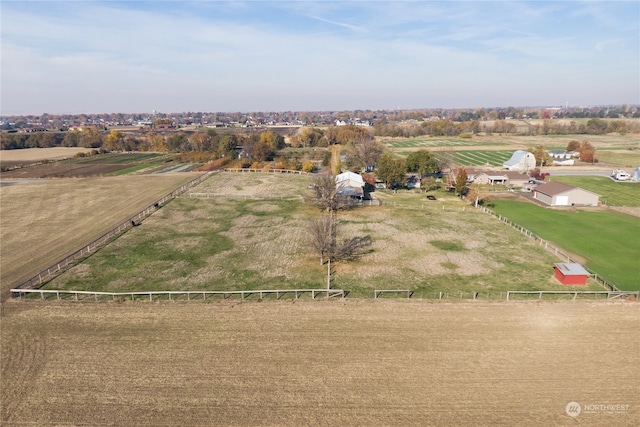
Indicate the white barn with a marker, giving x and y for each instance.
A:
(350, 184)
(520, 161)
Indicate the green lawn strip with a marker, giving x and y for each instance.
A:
(608, 241)
(611, 192)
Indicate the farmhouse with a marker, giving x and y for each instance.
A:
(561, 194)
(570, 273)
(350, 184)
(520, 161)
(510, 178)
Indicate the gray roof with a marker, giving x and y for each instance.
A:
(571, 269)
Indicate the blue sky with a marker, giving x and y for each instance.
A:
(138, 56)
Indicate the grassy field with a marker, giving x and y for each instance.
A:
(477, 157)
(608, 241)
(253, 234)
(623, 158)
(335, 363)
(611, 192)
(44, 221)
(430, 142)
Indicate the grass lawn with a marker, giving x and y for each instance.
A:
(611, 192)
(609, 242)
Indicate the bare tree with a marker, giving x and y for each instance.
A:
(322, 233)
(326, 193)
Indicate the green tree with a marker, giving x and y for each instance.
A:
(178, 142)
(461, 180)
(391, 170)
(597, 126)
(540, 153)
(422, 162)
(72, 138)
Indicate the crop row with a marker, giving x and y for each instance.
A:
(477, 157)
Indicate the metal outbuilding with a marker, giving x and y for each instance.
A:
(570, 273)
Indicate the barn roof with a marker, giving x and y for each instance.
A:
(554, 188)
(571, 269)
(516, 158)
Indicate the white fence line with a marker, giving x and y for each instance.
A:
(243, 197)
(377, 292)
(265, 170)
(609, 294)
(329, 293)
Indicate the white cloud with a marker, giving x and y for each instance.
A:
(169, 56)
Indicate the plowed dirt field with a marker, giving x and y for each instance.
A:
(330, 363)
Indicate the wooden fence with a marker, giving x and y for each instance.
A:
(608, 294)
(265, 170)
(548, 246)
(378, 292)
(171, 295)
(70, 260)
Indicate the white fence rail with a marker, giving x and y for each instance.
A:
(378, 292)
(150, 295)
(265, 170)
(608, 294)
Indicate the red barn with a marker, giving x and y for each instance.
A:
(570, 273)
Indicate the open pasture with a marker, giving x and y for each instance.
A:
(611, 192)
(44, 221)
(608, 241)
(333, 363)
(252, 233)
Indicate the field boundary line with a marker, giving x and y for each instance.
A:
(265, 170)
(377, 292)
(329, 293)
(60, 266)
(609, 294)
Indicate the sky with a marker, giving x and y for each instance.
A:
(72, 57)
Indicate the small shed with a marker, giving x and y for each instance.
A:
(569, 273)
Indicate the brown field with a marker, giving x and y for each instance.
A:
(43, 222)
(332, 363)
(33, 155)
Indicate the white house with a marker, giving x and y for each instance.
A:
(350, 184)
(520, 161)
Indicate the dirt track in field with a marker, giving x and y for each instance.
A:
(351, 362)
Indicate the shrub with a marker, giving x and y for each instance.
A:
(308, 166)
(466, 135)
